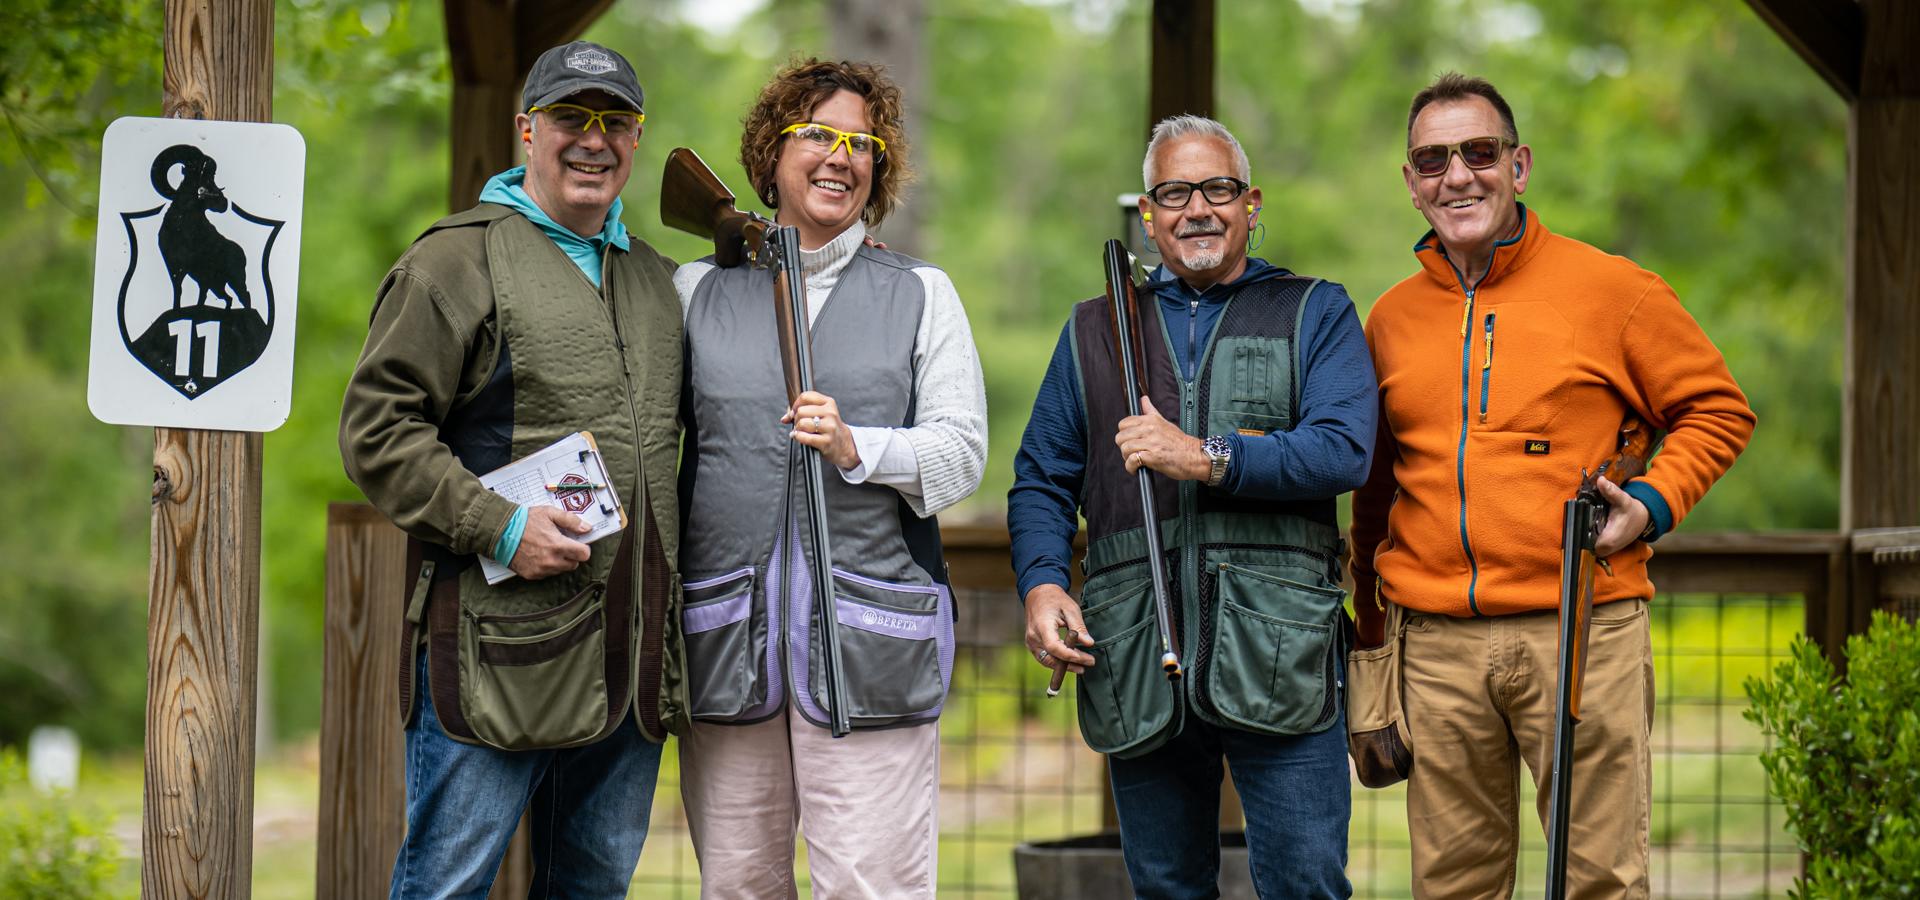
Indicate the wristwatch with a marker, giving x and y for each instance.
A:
(1219, 454)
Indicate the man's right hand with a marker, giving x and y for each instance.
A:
(548, 546)
(1049, 609)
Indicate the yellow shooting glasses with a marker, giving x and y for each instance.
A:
(576, 119)
(826, 139)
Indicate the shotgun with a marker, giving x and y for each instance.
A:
(1583, 518)
(1123, 293)
(692, 199)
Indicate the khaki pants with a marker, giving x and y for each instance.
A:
(1480, 696)
(867, 801)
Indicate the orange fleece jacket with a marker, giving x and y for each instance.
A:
(1493, 401)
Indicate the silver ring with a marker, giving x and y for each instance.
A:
(816, 421)
(1043, 657)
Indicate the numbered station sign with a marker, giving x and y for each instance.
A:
(195, 274)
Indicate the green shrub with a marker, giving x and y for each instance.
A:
(1847, 762)
(48, 849)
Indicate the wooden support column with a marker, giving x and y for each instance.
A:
(362, 785)
(1880, 472)
(491, 45)
(1181, 79)
(203, 590)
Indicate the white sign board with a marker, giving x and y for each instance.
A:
(196, 273)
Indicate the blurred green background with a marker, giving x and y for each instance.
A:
(1681, 133)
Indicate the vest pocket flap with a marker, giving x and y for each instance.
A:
(721, 586)
(896, 649)
(513, 667)
(724, 650)
(861, 589)
(1124, 699)
(1273, 666)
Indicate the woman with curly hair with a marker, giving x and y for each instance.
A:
(899, 412)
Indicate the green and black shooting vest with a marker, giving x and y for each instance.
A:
(557, 662)
(1252, 583)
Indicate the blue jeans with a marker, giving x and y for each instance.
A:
(589, 807)
(1294, 791)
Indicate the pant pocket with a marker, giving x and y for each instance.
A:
(896, 649)
(1123, 699)
(1273, 667)
(724, 650)
(537, 679)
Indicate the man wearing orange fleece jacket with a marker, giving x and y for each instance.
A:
(1508, 364)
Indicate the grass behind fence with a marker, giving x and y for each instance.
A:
(1013, 770)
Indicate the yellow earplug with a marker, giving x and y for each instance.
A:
(1146, 217)
(1249, 209)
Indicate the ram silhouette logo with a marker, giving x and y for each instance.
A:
(201, 260)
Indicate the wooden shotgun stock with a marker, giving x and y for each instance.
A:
(692, 199)
(1584, 517)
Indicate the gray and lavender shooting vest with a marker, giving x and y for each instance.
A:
(751, 623)
(1253, 583)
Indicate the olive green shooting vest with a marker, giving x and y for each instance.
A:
(557, 662)
(1253, 583)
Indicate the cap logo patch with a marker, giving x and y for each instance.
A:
(591, 61)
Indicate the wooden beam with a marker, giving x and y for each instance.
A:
(543, 25)
(203, 590)
(486, 94)
(1828, 34)
(1880, 472)
(362, 786)
(1181, 78)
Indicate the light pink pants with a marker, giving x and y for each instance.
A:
(867, 802)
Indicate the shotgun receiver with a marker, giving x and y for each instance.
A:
(1583, 517)
(692, 199)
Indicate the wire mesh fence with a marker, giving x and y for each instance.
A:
(1014, 770)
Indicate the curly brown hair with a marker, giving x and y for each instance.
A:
(791, 97)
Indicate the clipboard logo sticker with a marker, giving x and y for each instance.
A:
(574, 500)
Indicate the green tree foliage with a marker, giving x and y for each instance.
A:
(1679, 132)
(1847, 765)
(48, 849)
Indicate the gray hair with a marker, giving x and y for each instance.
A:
(1175, 127)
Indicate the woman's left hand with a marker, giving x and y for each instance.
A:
(816, 421)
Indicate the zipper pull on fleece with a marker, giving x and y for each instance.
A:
(1466, 314)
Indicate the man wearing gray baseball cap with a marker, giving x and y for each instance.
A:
(549, 692)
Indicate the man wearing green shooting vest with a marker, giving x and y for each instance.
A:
(504, 328)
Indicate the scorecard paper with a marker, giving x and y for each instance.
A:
(568, 474)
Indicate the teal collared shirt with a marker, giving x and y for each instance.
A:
(509, 189)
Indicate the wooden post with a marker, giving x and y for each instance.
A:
(362, 787)
(1183, 64)
(204, 585)
(491, 44)
(1880, 471)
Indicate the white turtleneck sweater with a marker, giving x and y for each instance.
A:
(938, 460)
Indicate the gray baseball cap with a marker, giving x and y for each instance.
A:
(580, 66)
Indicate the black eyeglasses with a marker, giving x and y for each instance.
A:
(1177, 194)
(1477, 153)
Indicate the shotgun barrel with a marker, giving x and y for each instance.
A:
(1582, 520)
(1122, 293)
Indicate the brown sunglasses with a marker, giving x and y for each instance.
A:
(1477, 153)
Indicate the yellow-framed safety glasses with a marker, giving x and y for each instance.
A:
(826, 139)
(576, 119)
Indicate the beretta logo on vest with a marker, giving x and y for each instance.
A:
(196, 273)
